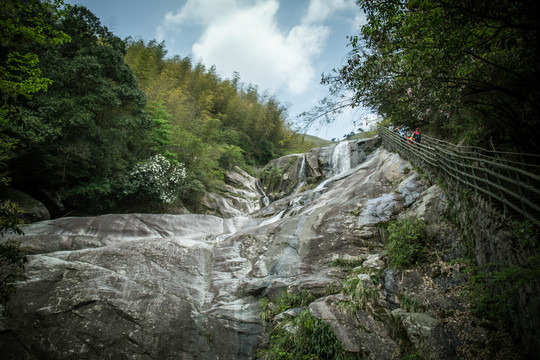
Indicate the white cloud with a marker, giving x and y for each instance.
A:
(320, 10)
(244, 36)
(201, 12)
(358, 21)
(248, 40)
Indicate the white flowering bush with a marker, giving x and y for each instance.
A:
(159, 178)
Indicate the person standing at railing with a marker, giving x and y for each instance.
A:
(409, 136)
(391, 127)
(416, 135)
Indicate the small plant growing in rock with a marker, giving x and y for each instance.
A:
(285, 301)
(359, 293)
(299, 337)
(409, 303)
(406, 242)
(346, 263)
(356, 212)
(304, 337)
(527, 233)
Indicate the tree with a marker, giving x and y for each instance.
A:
(465, 67)
(231, 156)
(161, 134)
(90, 126)
(23, 23)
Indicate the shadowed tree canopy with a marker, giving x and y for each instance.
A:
(467, 70)
(81, 135)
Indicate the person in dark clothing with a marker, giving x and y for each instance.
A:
(416, 135)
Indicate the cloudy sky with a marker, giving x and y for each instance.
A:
(283, 47)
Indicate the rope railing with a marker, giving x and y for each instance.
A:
(509, 181)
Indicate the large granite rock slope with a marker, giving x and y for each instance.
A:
(143, 286)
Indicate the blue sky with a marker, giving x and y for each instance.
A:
(283, 47)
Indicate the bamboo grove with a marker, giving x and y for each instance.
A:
(90, 122)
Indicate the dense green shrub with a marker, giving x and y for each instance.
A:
(406, 242)
(285, 301)
(492, 289)
(304, 337)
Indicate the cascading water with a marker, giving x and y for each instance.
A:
(339, 164)
(301, 175)
(341, 158)
(265, 198)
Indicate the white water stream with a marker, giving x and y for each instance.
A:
(339, 162)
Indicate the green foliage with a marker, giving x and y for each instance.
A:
(527, 233)
(304, 143)
(359, 295)
(10, 217)
(111, 104)
(161, 135)
(285, 301)
(304, 337)
(409, 303)
(89, 128)
(12, 253)
(12, 260)
(464, 69)
(156, 179)
(492, 290)
(230, 157)
(406, 243)
(271, 177)
(23, 24)
(346, 263)
(222, 112)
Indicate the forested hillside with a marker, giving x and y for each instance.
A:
(93, 123)
(212, 121)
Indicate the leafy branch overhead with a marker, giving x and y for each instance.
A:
(459, 68)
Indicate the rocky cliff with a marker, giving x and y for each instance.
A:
(188, 286)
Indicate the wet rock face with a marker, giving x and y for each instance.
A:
(298, 170)
(241, 194)
(187, 286)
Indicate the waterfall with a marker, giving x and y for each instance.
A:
(340, 163)
(302, 175)
(265, 198)
(273, 219)
(341, 158)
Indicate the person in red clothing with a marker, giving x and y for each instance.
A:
(416, 135)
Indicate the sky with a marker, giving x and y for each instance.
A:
(281, 46)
